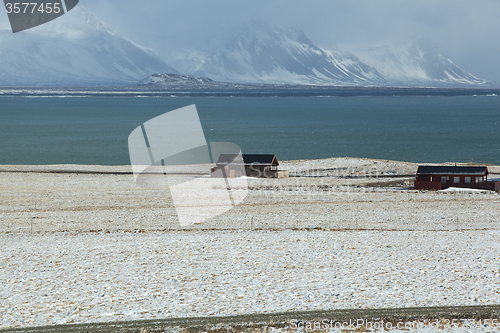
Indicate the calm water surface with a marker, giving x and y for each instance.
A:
(94, 130)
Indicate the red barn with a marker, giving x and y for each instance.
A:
(443, 177)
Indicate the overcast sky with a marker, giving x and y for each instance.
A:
(468, 32)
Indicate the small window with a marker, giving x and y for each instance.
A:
(456, 179)
(479, 179)
(468, 179)
(443, 179)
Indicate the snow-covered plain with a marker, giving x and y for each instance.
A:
(334, 236)
(52, 278)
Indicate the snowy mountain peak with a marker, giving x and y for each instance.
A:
(79, 20)
(268, 54)
(262, 53)
(254, 33)
(419, 64)
(77, 49)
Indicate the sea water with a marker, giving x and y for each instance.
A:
(95, 130)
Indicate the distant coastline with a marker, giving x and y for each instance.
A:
(247, 90)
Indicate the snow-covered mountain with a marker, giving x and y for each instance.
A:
(418, 64)
(77, 49)
(164, 80)
(266, 54)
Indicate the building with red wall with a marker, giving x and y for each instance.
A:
(431, 177)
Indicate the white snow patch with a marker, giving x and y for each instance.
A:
(460, 189)
(47, 279)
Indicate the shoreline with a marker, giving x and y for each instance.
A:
(248, 90)
(329, 194)
(127, 169)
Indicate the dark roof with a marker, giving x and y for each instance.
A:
(253, 159)
(452, 170)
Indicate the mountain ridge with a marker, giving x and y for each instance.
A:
(267, 54)
(419, 62)
(262, 53)
(77, 49)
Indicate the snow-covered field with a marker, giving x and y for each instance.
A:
(70, 277)
(342, 233)
(337, 193)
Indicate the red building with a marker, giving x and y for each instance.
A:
(443, 177)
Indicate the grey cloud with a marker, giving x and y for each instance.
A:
(466, 31)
